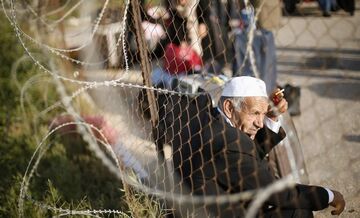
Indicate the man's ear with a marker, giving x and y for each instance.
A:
(228, 108)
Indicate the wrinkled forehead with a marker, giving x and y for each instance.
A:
(258, 102)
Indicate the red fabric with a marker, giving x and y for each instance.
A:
(179, 59)
(97, 121)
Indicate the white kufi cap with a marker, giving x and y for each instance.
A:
(244, 86)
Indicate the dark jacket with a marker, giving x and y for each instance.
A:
(213, 158)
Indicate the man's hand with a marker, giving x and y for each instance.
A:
(280, 103)
(338, 203)
(202, 30)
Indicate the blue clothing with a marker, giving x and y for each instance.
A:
(265, 57)
(327, 5)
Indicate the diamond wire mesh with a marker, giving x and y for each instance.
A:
(193, 48)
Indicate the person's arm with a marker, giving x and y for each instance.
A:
(272, 133)
(272, 125)
(245, 171)
(266, 139)
(202, 11)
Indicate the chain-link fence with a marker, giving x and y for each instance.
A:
(155, 71)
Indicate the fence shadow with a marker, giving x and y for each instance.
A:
(321, 59)
(331, 62)
(313, 10)
(348, 90)
(352, 138)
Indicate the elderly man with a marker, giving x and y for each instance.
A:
(244, 104)
(219, 152)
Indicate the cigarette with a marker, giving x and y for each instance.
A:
(280, 91)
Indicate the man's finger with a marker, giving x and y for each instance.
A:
(282, 106)
(335, 212)
(338, 210)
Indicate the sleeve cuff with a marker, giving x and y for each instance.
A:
(331, 195)
(272, 125)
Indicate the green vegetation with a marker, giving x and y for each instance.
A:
(65, 177)
(69, 176)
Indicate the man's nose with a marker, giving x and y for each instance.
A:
(259, 122)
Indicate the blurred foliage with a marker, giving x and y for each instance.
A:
(67, 178)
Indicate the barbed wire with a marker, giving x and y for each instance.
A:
(58, 51)
(66, 100)
(65, 211)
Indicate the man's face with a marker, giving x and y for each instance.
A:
(250, 117)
